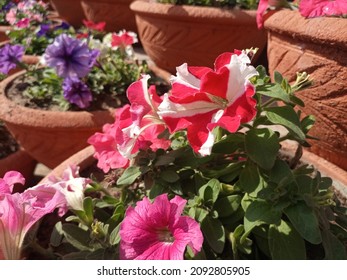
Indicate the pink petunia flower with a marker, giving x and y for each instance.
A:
(264, 6)
(157, 231)
(202, 99)
(23, 23)
(317, 8)
(72, 186)
(11, 16)
(9, 180)
(20, 211)
(136, 127)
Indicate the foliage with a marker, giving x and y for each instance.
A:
(250, 201)
(244, 4)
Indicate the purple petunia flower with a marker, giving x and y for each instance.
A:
(9, 56)
(70, 57)
(77, 92)
(64, 26)
(44, 28)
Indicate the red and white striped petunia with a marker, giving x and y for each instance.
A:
(202, 99)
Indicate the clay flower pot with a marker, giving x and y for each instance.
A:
(174, 34)
(317, 46)
(116, 14)
(49, 136)
(70, 11)
(3, 31)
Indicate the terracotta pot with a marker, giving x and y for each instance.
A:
(116, 14)
(3, 30)
(49, 136)
(174, 34)
(70, 11)
(317, 46)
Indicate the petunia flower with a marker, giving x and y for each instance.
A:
(72, 186)
(10, 55)
(317, 8)
(105, 145)
(158, 231)
(9, 180)
(20, 211)
(70, 57)
(123, 39)
(77, 92)
(136, 127)
(202, 99)
(97, 26)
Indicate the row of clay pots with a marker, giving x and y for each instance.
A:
(116, 14)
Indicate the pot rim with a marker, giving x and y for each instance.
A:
(201, 13)
(318, 30)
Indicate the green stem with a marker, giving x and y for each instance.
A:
(269, 102)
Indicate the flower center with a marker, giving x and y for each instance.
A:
(165, 235)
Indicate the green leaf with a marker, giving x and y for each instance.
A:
(76, 236)
(157, 189)
(114, 236)
(88, 208)
(169, 176)
(214, 233)
(229, 144)
(226, 206)
(307, 123)
(250, 180)
(274, 91)
(164, 160)
(57, 235)
(210, 191)
(285, 242)
(287, 117)
(281, 173)
(260, 212)
(305, 222)
(278, 77)
(262, 146)
(129, 176)
(334, 248)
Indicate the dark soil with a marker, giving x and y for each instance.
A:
(8, 144)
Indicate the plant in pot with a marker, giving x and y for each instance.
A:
(195, 174)
(173, 32)
(70, 98)
(22, 14)
(312, 37)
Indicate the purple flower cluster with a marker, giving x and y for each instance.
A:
(10, 55)
(70, 57)
(77, 92)
(72, 60)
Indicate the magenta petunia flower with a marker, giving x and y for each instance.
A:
(77, 92)
(317, 8)
(157, 231)
(70, 57)
(9, 56)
